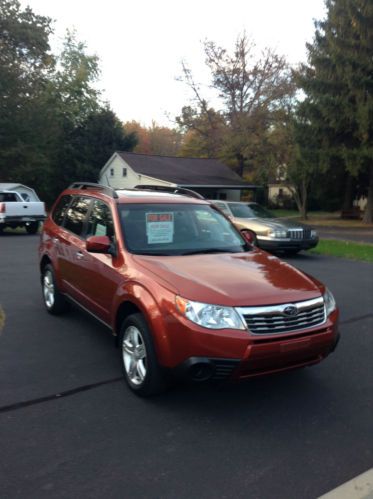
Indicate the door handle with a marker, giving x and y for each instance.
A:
(79, 255)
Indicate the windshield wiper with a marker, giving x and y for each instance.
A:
(209, 250)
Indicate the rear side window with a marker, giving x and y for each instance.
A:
(8, 197)
(76, 215)
(60, 210)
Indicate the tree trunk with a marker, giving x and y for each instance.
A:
(303, 213)
(348, 193)
(300, 197)
(368, 214)
(241, 164)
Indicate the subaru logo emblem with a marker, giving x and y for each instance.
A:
(291, 310)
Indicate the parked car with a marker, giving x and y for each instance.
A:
(15, 211)
(265, 230)
(180, 288)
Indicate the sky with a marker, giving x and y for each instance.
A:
(141, 43)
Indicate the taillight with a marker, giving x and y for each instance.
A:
(2, 207)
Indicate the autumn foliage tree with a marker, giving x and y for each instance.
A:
(155, 139)
(251, 93)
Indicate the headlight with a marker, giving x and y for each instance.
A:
(313, 234)
(330, 304)
(210, 316)
(277, 234)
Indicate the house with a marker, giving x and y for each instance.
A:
(209, 177)
(280, 195)
(27, 193)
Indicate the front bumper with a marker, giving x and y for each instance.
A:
(271, 244)
(259, 361)
(22, 219)
(201, 354)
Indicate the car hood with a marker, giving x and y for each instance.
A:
(274, 223)
(238, 279)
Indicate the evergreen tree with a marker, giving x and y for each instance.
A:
(338, 83)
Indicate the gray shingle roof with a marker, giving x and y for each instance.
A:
(183, 171)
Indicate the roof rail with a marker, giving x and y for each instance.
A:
(90, 185)
(171, 190)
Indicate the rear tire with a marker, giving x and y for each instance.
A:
(140, 365)
(32, 227)
(54, 301)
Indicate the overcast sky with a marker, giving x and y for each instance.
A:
(141, 43)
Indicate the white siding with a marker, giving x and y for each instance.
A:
(274, 191)
(118, 181)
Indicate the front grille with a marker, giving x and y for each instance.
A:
(276, 319)
(295, 234)
(299, 234)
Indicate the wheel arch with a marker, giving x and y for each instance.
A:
(137, 299)
(44, 261)
(125, 309)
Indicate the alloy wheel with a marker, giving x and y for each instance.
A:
(134, 355)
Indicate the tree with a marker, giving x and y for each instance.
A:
(25, 66)
(93, 142)
(251, 91)
(338, 82)
(302, 165)
(156, 139)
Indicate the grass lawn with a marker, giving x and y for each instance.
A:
(322, 218)
(345, 249)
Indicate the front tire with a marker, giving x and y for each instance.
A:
(54, 301)
(139, 360)
(292, 252)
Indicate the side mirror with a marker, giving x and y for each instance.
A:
(99, 244)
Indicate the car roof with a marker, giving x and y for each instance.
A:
(122, 196)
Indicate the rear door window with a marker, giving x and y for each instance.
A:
(8, 197)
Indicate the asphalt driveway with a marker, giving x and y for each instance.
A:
(70, 428)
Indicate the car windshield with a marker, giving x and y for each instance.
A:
(177, 229)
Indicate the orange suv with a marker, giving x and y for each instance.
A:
(180, 288)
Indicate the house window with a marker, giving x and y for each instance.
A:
(124, 172)
(111, 172)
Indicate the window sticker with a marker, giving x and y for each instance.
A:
(160, 227)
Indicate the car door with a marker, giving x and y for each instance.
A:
(72, 259)
(101, 277)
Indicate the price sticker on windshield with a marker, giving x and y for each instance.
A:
(160, 227)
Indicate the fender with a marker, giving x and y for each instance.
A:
(136, 294)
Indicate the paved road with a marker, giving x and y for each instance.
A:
(291, 436)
